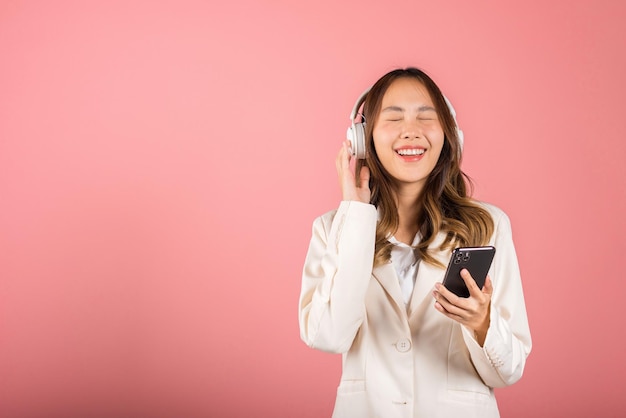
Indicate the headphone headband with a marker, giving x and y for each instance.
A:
(358, 104)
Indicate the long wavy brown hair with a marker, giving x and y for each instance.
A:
(446, 202)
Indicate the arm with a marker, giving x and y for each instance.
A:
(501, 360)
(494, 322)
(338, 265)
(336, 275)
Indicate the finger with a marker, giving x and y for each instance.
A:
(340, 155)
(488, 287)
(346, 149)
(348, 153)
(471, 284)
(349, 147)
(450, 315)
(450, 306)
(447, 294)
(343, 157)
(364, 177)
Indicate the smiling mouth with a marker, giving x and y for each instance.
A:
(409, 152)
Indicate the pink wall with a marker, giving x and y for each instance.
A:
(161, 164)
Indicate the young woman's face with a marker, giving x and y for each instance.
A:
(408, 137)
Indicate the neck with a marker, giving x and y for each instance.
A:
(409, 211)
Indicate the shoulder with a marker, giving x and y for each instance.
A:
(501, 221)
(351, 209)
(355, 216)
(325, 220)
(494, 211)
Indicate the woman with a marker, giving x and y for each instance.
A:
(371, 286)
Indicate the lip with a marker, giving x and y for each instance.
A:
(410, 158)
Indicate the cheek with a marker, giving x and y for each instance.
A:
(436, 139)
(377, 141)
(438, 150)
(382, 138)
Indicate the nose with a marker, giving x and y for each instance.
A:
(411, 130)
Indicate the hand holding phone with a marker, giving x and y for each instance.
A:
(476, 260)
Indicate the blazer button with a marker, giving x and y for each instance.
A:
(403, 345)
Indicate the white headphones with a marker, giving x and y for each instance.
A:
(356, 131)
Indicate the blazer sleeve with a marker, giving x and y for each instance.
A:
(501, 360)
(336, 275)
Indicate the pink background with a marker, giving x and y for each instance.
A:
(161, 164)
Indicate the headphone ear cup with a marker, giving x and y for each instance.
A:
(356, 131)
(459, 132)
(356, 135)
(461, 138)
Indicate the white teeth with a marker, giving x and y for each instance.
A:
(410, 151)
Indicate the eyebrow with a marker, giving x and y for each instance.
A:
(423, 108)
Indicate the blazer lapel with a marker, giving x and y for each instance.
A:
(388, 279)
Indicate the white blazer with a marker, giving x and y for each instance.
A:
(407, 362)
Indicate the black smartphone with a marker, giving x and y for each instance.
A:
(476, 260)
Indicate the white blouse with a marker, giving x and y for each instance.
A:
(406, 263)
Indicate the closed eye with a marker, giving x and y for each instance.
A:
(427, 114)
